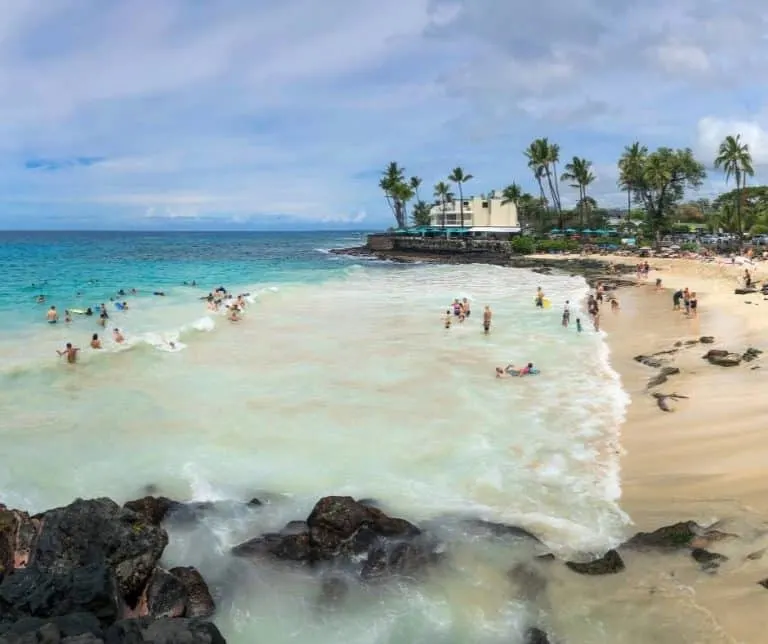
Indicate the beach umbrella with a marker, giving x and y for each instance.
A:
(588, 231)
(571, 230)
(555, 230)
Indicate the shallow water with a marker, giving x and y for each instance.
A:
(340, 380)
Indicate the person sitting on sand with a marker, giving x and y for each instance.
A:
(71, 353)
(95, 342)
(117, 336)
(53, 316)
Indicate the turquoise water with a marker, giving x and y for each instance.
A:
(340, 379)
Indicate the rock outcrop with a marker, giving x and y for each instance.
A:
(80, 570)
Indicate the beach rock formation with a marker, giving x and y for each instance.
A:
(722, 358)
(764, 583)
(536, 636)
(609, 564)
(342, 531)
(671, 537)
(751, 354)
(662, 377)
(709, 560)
(80, 570)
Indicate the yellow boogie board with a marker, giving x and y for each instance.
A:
(545, 303)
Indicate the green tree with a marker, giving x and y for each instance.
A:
(415, 184)
(579, 173)
(734, 159)
(631, 166)
(542, 160)
(443, 194)
(396, 191)
(660, 182)
(420, 215)
(511, 194)
(459, 177)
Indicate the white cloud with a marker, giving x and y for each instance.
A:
(678, 58)
(711, 131)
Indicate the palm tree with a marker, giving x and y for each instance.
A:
(734, 158)
(553, 158)
(443, 195)
(392, 182)
(512, 194)
(579, 173)
(415, 184)
(459, 178)
(630, 167)
(542, 157)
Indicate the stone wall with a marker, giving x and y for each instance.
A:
(436, 245)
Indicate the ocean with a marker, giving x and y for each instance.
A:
(340, 379)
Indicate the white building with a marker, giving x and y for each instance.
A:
(480, 213)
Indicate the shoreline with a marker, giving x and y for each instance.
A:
(703, 460)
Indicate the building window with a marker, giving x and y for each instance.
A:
(466, 203)
(484, 204)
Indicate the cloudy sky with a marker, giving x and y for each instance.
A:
(256, 113)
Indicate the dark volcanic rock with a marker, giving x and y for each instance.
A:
(165, 595)
(536, 636)
(764, 583)
(649, 361)
(164, 631)
(408, 558)
(708, 560)
(751, 354)
(73, 625)
(722, 358)
(86, 589)
(286, 547)
(153, 509)
(199, 600)
(17, 536)
(335, 519)
(610, 563)
(707, 339)
(96, 531)
(672, 537)
(744, 291)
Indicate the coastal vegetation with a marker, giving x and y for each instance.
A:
(656, 183)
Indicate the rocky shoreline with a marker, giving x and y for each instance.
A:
(91, 572)
(593, 270)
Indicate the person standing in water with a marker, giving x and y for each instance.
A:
(53, 315)
(466, 307)
(578, 325)
(118, 337)
(566, 314)
(539, 298)
(487, 315)
(95, 342)
(71, 353)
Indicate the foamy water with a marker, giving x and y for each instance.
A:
(352, 387)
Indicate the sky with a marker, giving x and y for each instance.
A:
(281, 115)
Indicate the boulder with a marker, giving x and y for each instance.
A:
(671, 537)
(407, 558)
(662, 377)
(199, 600)
(164, 631)
(164, 596)
(709, 560)
(744, 291)
(75, 625)
(286, 547)
(764, 583)
(18, 532)
(536, 636)
(722, 358)
(90, 588)
(649, 361)
(152, 509)
(707, 339)
(751, 354)
(100, 531)
(610, 563)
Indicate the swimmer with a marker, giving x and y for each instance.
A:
(234, 316)
(40, 299)
(566, 314)
(89, 311)
(118, 337)
(539, 298)
(53, 316)
(71, 353)
(487, 316)
(95, 342)
(466, 307)
(67, 316)
(160, 293)
(526, 370)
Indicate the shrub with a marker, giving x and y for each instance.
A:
(523, 245)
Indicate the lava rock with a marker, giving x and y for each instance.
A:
(18, 532)
(199, 600)
(708, 560)
(153, 509)
(536, 636)
(723, 358)
(286, 547)
(165, 595)
(32, 592)
(751, 354)
(164, 631)
(96, 531)
(610, 563)
(408, 558)
(649, 361)
(72, 625)
(671, 537)
(707, 339)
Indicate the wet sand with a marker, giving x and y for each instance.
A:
(706, 460)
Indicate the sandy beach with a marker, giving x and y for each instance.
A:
(706, 459)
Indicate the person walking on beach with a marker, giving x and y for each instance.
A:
(566, 314)
(676, 297)
(687, 300)
(53, 315)
(487, 315)
(71, 353)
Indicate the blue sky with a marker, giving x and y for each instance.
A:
(256, 114)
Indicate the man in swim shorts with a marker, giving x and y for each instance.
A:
(95, 342)
(70, 352)
(487, 315)
(465, 306)
(539, 298)
(53, 316)
(118, 337)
